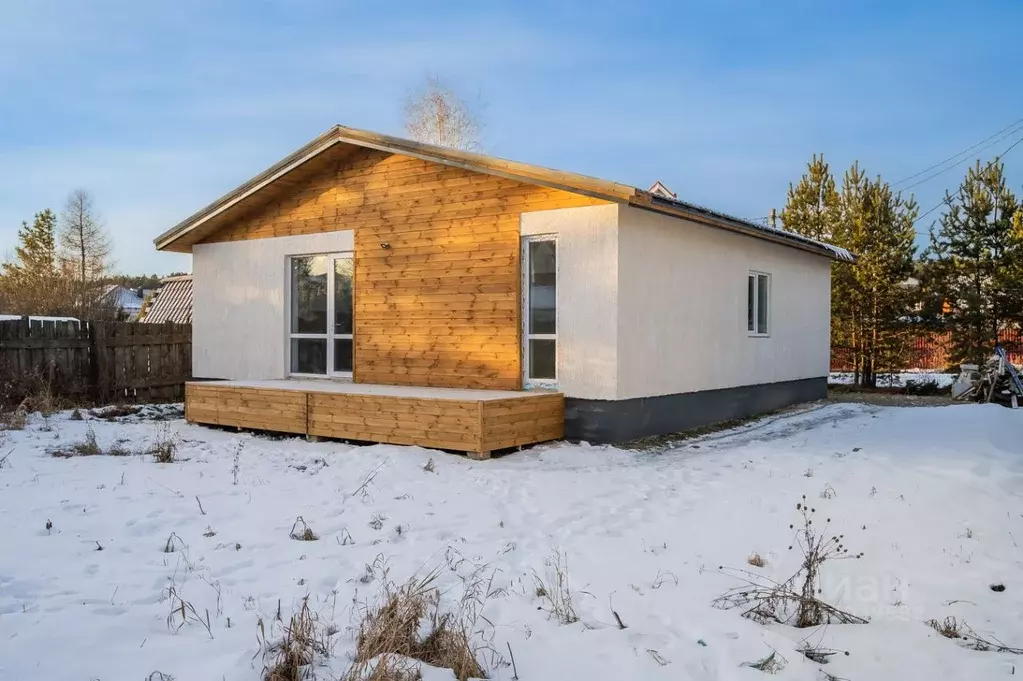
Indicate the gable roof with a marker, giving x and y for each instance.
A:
(660, 189)
(341, 140)
(172, 302)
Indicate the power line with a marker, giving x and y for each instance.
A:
(949, 198)
(961, 153)
(965, 158)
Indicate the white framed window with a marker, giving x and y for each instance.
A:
(758, 304)
(540, 310)
(320, 324)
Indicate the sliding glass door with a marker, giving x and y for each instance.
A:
(321, 323)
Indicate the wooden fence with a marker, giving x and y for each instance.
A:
(930, 351)
(102, 362)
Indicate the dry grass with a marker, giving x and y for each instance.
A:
(164, 447)
(756, 560)
(89, 446)
(13, 420)
(553, 590)
(182, 612)
(409, 626)
(949, 628)
(305, 641)
(300, 531)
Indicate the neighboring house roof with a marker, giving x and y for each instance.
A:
(172, 302)
(182, 236)
(123, 298)
(659, 189)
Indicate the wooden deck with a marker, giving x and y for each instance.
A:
(473, 421)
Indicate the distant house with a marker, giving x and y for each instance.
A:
(658, 189)
(127, 303)
(172, 302)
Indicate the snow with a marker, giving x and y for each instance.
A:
(898, 380)
(931, 495)
(11, 317)
(349, 388)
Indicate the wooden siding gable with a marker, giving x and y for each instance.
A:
(437, 280)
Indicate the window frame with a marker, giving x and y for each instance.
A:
(527, 381)
(755, 277)
(328, 336)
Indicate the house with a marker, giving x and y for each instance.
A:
(658, 189)
(123, 300)
(441, 290)
(172, 302)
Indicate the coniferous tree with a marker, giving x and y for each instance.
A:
(86, 248)
(878, 226)
(33, 283)
(813, 207)
(869, 298)
(977, 251)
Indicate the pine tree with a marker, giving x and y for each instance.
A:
(869, 299)
(33, 284)
(977, 250)
(878, 226)
(813, 205)
(36, 251)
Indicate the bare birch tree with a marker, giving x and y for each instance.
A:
(85, 247)
(434, 114)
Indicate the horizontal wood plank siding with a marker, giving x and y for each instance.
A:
(441, 424)
(467, 425)
(514, 422)
(257, 408)
(440, 306)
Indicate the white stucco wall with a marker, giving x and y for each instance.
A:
(587, 292)
(682, 306)
(240, 303)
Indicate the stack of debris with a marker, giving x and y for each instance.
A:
(997, 381)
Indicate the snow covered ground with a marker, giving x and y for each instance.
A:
(932, 496)
(897, 380)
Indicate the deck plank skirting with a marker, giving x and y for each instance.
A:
(477, 422)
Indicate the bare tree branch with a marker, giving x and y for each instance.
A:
(436, 115)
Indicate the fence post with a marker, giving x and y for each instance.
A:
(98, 360)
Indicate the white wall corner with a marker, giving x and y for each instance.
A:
(587, 295)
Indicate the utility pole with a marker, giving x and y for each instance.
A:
(774, 219)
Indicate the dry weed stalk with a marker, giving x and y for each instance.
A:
(553, 590)
(772, 664)
(165, 445)
(409, 626)
(306, 640)
(796, 600)
(300, 531)
(950, 628)
(182, 612)
(14, 420)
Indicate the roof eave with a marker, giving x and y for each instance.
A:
(680, 209)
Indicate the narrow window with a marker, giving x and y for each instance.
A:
(320, 327)
(541, 318)
(758, 303)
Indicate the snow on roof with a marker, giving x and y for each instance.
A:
(122, 297)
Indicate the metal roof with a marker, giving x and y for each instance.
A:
(172, 302)
(189, 231)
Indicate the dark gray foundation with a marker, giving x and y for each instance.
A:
(615, 421)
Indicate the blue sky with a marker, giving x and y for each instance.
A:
(160, 107)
